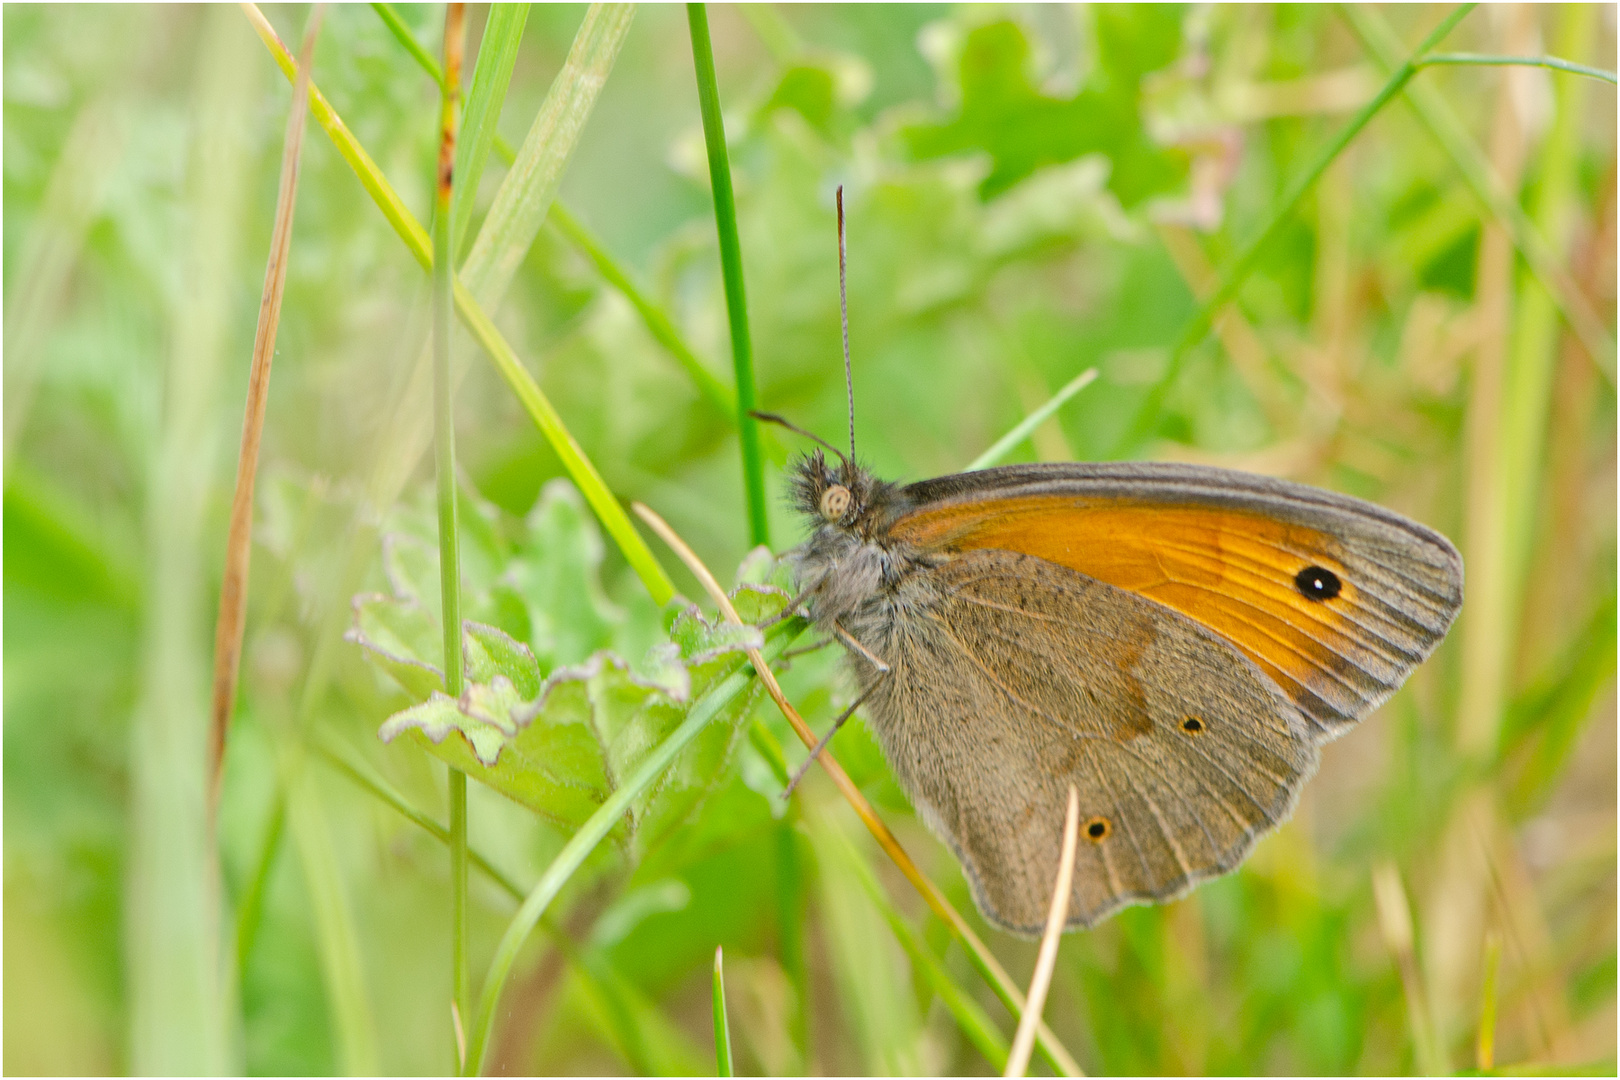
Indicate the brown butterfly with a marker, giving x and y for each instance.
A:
(1176, 641)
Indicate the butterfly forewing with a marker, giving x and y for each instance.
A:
(1334, 599)
(1014, 677)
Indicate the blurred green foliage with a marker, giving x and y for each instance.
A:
(1032, 191)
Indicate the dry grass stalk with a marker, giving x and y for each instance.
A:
(232, 620)
(1041, 981)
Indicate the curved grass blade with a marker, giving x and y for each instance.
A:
(580, 468)
(1026, 427)
(250, 909)
(731, 271)
(1041, 981)
(657, 323)
(600, 823)
(1552, 63)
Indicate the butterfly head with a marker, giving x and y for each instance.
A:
(840, 495)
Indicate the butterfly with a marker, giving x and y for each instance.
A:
(1175, 641)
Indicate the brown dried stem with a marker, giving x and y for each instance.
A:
(232, 621)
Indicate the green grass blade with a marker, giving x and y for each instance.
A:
(874, 994)
(722, 1029)
(1431, 108)
(492, 74)
(1237, 273)
(600, 823)
(1026, 427)
(348, 147)
(580, 468)
(342, 969)
(444, 440)
(78, 184)
(648, 1036)
(1554, 203)
(348, 762)
(1485, 1041)
(403, 35)
(1552, 63)
(525, 195)
(250, 910)
(657, 323)
(731, 270)
(1555, 712)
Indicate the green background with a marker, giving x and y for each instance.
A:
(1032, 191)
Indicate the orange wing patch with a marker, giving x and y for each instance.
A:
(1233, 571)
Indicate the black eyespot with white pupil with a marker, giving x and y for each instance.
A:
(834, 502)
(1317, 583)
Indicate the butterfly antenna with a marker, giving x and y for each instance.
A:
(772, 418)
(843, 316)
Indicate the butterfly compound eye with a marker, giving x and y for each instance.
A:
(1317, 583)
(834, 502)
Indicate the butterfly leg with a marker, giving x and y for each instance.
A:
(849, 639)
(827, 738)
(792, 607)
(807, 649)
(883, 672)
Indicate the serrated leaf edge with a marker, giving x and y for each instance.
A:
(357, 636)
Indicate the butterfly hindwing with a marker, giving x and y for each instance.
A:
(1013, 677)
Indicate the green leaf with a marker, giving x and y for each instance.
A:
(1003, 113)
(490, 653)
(560, 743)
(397, 634)
(555, 573)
